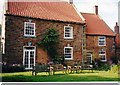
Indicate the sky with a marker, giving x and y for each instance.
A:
(108, 9)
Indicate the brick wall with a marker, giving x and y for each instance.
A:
(92, 45)
(118, 46)
(118, 53)
(15, 39)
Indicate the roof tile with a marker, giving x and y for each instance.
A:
(61, 11)
(96, 26)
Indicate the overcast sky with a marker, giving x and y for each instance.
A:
(108, 9)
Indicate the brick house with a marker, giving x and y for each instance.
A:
(117, 33)
(26, 22)
(100, 38)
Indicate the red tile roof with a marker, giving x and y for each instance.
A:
(96, 26)
(60, 11)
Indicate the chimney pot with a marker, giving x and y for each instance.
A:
(116, 24)
(96, 9)
(71, 1)
(116, 28)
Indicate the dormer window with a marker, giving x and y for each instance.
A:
(102, 41)
(29, 29)
(68, 32)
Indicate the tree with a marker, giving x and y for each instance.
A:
(50, 41)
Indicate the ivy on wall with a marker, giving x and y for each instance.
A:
(49, 42)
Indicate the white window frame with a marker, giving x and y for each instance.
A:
(24, 55)
(71, 33)
(103, 55)
(104, 40)
(71, 53)
(28, 35)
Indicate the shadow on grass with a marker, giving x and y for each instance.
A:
(55, 78)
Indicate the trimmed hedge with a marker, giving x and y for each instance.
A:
(9, 69)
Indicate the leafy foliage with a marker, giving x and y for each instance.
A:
(50, 42)
(114, 59)
(103, 66)
(9, 69)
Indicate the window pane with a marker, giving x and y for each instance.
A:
(102, 57)
(68, 52)
(68, 32)
(101, 40)
(67, 55)
(89, 59)
(29, 28)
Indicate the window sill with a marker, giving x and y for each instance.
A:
(68, 59)
(26, 36)
(101, 45)
(70, 38)
(103, 60)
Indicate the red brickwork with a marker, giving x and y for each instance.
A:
(92, 46)
(15, 39)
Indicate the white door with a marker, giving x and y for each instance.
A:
(29, 58)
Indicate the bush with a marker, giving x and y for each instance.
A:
(114, 60)
(9, 69)
(103, 66)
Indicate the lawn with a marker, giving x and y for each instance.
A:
(60, 77)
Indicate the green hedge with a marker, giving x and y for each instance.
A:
(9, 69)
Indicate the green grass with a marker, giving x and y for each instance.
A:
(60, 77)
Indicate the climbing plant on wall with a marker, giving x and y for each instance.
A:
(50, 41)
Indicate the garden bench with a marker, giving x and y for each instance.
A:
(71, 68)
(59, 67)
(42, 68)
(86, 67)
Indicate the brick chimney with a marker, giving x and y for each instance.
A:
(116, 29)
(96, 9)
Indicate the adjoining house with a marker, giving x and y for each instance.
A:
(83, 37)
(100, 39)
(117, 40)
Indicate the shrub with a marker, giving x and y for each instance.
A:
(98, 65)
(9, 69)
(114, 60)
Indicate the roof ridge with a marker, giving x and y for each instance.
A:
(37, 1)
(80, 15)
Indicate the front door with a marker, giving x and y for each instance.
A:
(89, 58)
(29, 57)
